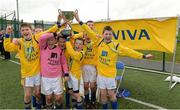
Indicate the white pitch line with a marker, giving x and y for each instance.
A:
(128, 98)
(144, 103)
(12, 61)
(149, 70)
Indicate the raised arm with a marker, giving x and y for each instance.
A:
(79, 35)
(90, 32)
(43, 39)
(53, 29)
(8, 45)
(75, 55)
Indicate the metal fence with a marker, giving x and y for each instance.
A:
(45, 25)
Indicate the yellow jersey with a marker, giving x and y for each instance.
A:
(90, 54)
(74, 61)
(90, 50)
(107, 53)
(29, 53)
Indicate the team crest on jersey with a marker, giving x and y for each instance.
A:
(89, 49)
(104, 53)
(53, 55)
(53, 59)
(31, 53)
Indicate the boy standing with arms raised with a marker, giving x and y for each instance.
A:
(28, 49)
(107, 54)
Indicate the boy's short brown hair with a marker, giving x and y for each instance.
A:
(90, 21)
(107, 28)
(26, 25)
(80, 39)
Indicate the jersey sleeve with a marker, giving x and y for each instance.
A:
(125, 51)
(50, 30)
(8, 45)
(43, 39)
(91, 34)
(75, 55)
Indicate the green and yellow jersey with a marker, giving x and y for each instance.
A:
(90, 54)
(89, 49)
(29, 53)
(74, 61)
(107, 53)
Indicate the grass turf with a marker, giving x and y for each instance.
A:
(151, 88)
(143, 86)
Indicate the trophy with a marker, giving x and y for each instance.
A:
(67, 15)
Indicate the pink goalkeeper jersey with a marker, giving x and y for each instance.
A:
(53, 61)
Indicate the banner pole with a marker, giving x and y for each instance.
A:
(108, 17)
(164, 61)
(174, 55)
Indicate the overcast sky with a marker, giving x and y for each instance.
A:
(96, 10)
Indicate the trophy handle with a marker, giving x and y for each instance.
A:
(59, 11)
(60, 16)
(76, 11)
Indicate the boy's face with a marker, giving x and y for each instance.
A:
(51, 41)
(107, 36)
(62, 43)
(2, 32)
(38, 30)
(26, 32)
(78, 45)
(87, 39)
(91, 25)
